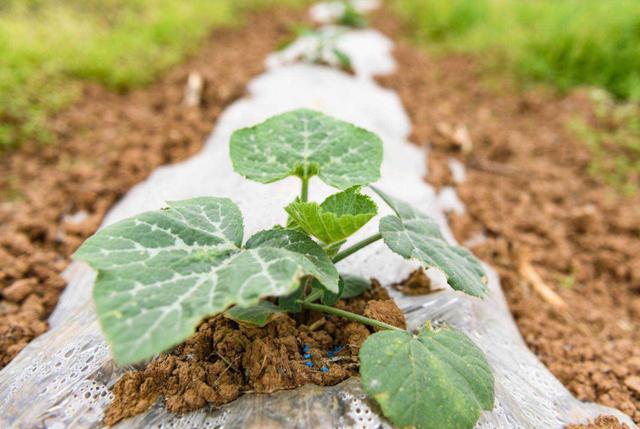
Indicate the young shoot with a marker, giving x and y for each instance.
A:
(163, 272)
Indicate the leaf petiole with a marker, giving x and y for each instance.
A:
(313, 296)
(353, 249)
(304, 194)
(349, 315)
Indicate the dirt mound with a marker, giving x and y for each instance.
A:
(54, 196)
(225, 359)
(567, 247)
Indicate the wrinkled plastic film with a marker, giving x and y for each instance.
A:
(63, 378)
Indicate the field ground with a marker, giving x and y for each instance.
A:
(566, 44)
(530, 188)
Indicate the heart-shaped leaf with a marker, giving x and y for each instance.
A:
(305, 143)
(162, 272)
(258, 315)
(413, 234)
(337, 218)
(435, 380)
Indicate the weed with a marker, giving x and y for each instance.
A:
(614, 141)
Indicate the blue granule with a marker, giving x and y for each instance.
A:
(307, 356)
(309, 363)
(336, 349)
(324, 369)
(306, 348)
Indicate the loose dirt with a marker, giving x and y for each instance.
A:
(417, 284)
(603, 422)
(567, 247)
(225, 359)
(54, 196)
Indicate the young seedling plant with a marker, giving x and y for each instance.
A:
(163, 272)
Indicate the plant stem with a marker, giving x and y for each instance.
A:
(304, 194)
(313, 296)
(353, 249)
(348, 315)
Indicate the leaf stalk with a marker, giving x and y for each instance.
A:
(349, 315)
(356, 247)
(313, 296)
(304, 194)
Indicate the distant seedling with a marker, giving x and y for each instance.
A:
(351, 17)
(163, 272)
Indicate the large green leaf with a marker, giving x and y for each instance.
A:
(413, 234)
(435, 380)
(320, 266)
(305, 143)
(337, 218)
(162, 272)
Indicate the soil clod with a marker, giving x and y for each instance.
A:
(224, 359)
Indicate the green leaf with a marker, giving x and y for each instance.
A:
(343, 59)
(333, 249)
(162, 272)
(350, 287)
(413, 234)
(337, 218)
(305, 143)
(351, 17)
(258, 315)
(320, 266)
(289, 303)
(354, 285)
(435, 380)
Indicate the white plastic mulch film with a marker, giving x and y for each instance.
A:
(63, 378)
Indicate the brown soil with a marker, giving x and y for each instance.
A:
(225, 359)
(55, 196)
(417, 284)
(603, 422)
(567, 247)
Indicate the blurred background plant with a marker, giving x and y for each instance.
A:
(48, 47)
(614, 141)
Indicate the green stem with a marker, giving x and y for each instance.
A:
(348, 315)
(313, 296)
(353, 249)
(304, 194)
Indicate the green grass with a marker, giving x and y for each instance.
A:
(48, 47)
(567, 43)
